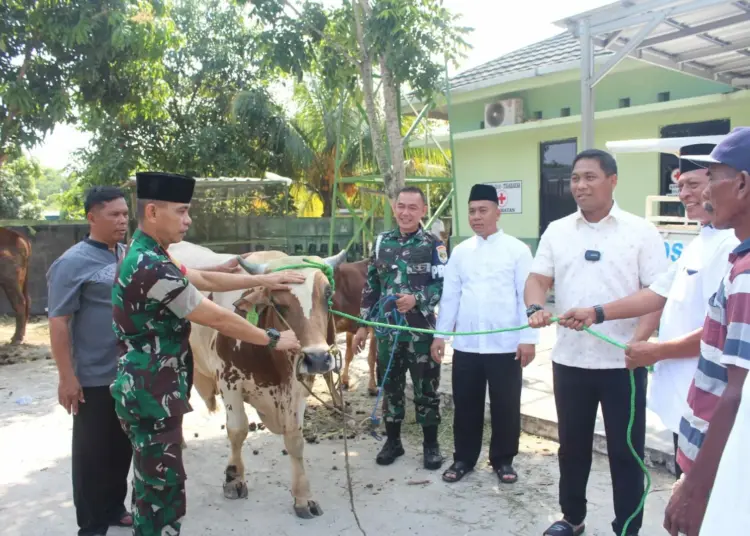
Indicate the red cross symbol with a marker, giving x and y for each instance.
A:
(502, 198)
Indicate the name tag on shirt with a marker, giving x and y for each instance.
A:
(421, 268)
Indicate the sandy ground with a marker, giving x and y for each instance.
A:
(36, 497)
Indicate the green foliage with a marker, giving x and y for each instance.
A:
(217, 117)
(416, 38)
(51, 183)
(90, 56)
(19, 197)
(310, 145)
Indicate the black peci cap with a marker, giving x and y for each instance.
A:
(169, 187)
(693, 150)
(483, 192)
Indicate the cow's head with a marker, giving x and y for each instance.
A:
(304, 308)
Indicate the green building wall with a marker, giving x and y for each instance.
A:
(513, 153)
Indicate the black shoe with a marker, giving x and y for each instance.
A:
(432, 457)
(390, 451)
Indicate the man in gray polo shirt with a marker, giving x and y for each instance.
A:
(84, 347)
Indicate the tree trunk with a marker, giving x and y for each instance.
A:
(365, 68)
(327, 198)
(392, 130)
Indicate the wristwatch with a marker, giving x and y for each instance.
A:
(274, 337)
(533, 309)
(599, 310)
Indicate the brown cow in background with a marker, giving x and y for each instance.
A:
(15, 252)
(350, 281)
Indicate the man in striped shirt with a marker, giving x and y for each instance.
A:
(715, 393)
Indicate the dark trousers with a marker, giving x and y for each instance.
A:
(471, 375)
(578, 393)
(101, 461)
(190, 372)
(677, 468)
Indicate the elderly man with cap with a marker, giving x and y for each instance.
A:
(716, 431)
(483, 290)
(676, 302)
(154, 301)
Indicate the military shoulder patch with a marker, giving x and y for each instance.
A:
(442, 253)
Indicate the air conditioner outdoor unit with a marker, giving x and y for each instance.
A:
(503, 113)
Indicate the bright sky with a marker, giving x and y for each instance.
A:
(497, 30)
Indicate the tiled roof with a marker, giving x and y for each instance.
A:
(562, 48)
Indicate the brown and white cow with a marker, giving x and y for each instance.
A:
(350, 281)
(15, 252)
(268, 380)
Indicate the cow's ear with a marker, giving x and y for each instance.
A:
(256, 296)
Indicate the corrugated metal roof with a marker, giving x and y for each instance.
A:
(708, 38)
(704, 38)
(562, 48)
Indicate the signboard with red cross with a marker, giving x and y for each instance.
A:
(509, 196)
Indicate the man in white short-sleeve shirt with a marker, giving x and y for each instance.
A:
(596, 255)
(676, 302)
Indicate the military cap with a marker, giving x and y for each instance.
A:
(159, 186)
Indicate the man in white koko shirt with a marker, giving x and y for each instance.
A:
(483, 290)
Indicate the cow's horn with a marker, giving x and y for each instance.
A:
(252, 267)
(334, 261)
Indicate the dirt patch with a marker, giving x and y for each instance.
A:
(35, 345)
(403, 498)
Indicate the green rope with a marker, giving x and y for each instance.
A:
(328, 271)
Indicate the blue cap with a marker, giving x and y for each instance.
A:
(732, 151)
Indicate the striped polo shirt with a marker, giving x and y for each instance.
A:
(725, 341)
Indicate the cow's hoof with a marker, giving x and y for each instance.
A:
(310, 511)
(372, 392)
(345, 385)
(16, 342)
(236, 489)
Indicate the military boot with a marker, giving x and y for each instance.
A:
(433, 459)
(393, 447)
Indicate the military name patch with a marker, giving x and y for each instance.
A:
(442, 253)
(422, 268)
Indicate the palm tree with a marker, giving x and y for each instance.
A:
(310, 143)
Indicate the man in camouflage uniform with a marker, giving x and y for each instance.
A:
(154, 301)
(407, 263)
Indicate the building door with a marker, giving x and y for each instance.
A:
(668, 163)
(556, 167)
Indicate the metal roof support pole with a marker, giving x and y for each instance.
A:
(632, 44)
(454, 193)
(587, 87)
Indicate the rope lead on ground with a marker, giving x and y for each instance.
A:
(400, 325)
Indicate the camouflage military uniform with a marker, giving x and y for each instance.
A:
(411, 264)
(151, 298)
